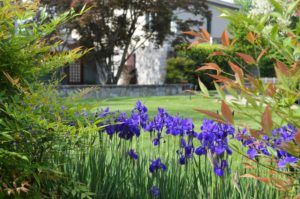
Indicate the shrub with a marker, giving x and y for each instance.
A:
(276, 136)
(187, 61)
(28, 46)
(35, 125)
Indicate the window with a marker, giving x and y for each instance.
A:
(75, 73)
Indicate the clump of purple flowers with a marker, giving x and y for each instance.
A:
(125, 127)
(279, 137)
(157, 165)
(213, 137)
(254, 146)
(157, 125)
(214, 142)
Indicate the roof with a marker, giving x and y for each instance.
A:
(224, 4)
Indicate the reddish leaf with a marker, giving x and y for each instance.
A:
(249, 175)
(206, 34)
(248, 165)
(235, 68)
(266, 121)
(220, 78)
(211, 114)
(265, 180)
(262, 53)
(282, 68)
(210, 66)
(250, 37)
(253, 81)
(255, 133)
(192, 33)
(217, 54)
(226, 112)
(225, 39)
(247, 58)
(282, 185)
(233, 42)
(292, 36)
(194, 43)
(295, 67)
(271, 90)
(297, 137)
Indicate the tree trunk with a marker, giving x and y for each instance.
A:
(102, 71)
(122, 64)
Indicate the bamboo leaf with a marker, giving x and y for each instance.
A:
(217, 54)
(262, 53)
(219, 90)
(192, 33)
(211, 114)
(266, 121)
(205, 34)
(282, 68)
(250, 37)
(249, 175)
(226, 112)
(297, 137)
(203, 88)
(277, 6)
(210, 66)
(247, 58)
(225, 39)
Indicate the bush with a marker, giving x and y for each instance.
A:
(35, 125)
(182, 67)
(275, 137)
(28, 47)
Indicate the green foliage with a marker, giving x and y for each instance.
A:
(34, 126)
(271, 26)
(274, 104)
(106, 166)
(28, 48)
(183, 67)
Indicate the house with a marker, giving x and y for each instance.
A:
(148, 64)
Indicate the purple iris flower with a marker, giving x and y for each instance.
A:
(133, 154)
(154, 191)
(182, 160)
(213, 137)
(283, 162)
(156, 165)
(251, 152)
(156, 141)
(219, 170)
(140, 114)
(200, 151)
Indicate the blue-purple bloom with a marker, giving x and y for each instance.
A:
(133, 154)
(140, 114)
(156, 165)
(213, 137)
(219, 169)
(279, 137)
(286, 160)
(155, 191)
(182, 160)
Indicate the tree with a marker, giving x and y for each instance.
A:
(125, 25)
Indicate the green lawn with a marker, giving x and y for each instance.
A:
(182, 105)
(197, 175)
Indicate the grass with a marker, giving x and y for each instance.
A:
(109, 173)
(181, 105)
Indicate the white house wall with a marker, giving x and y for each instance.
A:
(151, 62)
